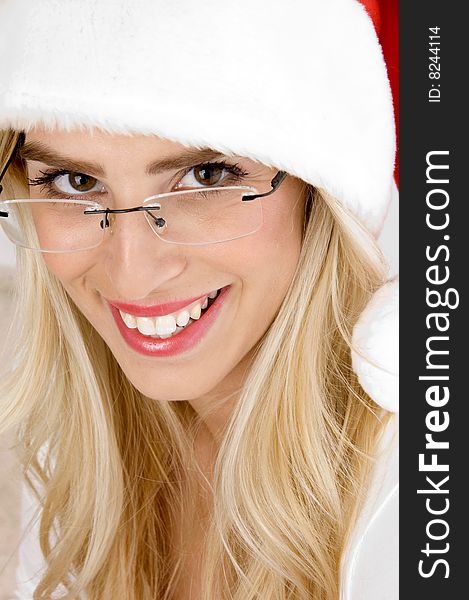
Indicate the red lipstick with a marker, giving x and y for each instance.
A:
(181, 342)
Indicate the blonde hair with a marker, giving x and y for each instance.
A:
(292, 468)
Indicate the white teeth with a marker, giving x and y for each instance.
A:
(183, 318)
(146, 325)
(129, 320)
(195, 312)
(165, 325)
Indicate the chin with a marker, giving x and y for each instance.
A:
(173, 389)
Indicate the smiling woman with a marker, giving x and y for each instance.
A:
(196, 395)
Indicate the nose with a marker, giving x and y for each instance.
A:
(136, 261)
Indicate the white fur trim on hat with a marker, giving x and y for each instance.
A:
(375, 355)
(301, 86)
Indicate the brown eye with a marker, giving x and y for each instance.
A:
(81, 182)
(208, 174)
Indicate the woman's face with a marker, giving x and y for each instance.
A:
(135, 271)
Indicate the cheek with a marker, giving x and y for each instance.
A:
(266, 262)
(68, 267)
(279, 245)
(71, 270)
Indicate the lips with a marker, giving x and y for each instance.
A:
(184, 341)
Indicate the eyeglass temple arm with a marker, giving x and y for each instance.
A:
(11, 158)
(276, 181)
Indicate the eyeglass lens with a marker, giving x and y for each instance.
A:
(192, 217)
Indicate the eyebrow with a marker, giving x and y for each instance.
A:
(38, 151)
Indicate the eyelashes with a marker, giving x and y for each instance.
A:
(236, 173)
(46, 179)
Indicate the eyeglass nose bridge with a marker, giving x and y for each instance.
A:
(105, 223)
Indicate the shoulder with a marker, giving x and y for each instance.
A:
(370, 564)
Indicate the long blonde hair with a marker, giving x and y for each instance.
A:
(108, 464)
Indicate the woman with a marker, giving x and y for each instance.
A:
(190, 416)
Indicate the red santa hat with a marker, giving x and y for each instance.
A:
(301, 86)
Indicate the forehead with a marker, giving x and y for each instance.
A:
(95, 149)
(101, 140)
